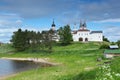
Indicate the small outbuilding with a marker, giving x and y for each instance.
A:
(113, 47)
(112, 51)
(108, 53)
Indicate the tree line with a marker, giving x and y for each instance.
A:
(23, 40)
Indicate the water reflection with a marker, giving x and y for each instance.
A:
(12, 66)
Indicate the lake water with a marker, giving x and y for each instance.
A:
(8, 67)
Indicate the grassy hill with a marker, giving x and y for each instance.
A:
(78, 46)
(77, 61)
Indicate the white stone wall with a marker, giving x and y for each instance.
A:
(86, 34)
(96, 37)
(75, 37)
(81, 34)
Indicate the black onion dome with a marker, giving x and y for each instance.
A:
(53, 24)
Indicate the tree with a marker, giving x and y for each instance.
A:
(105, 39)
(19, 40)
(33, 40)
(60, 32)
(27, 38)
(38, 38)
(65, 35)
(47, 39)
(50, 42)
(118, 43)
(104, 46)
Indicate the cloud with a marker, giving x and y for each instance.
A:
(8, 27)
(108, 20)
(9, 16)
(101, 10)
(112, 33)
(19, 21)
(9, 23)
(35, 8)
(79, 9)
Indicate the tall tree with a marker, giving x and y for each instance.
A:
(27, 38)
(60, 32)
(105, 39)
(47, 39)
(50, 42)
(33, 41)
(19, 40)
(118, 43)
(65, 35)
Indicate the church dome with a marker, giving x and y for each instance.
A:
(53, 24)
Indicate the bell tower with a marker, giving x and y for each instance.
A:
(83, 25)
(53, 25)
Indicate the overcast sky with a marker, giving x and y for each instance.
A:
(37, 15)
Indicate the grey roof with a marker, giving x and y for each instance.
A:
(95, 32)
(113, 46)
(46, 31)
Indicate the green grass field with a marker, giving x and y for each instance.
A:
(77, 61)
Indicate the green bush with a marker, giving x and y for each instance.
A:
(118, 43)
(104, 46)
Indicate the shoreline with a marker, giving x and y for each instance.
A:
(38, 60)
(6, 77)
(44, 61)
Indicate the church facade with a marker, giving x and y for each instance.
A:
(84, 35)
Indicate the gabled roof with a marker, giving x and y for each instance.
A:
(74, 32)
(92, 32)
(80, 30)
(114, 51)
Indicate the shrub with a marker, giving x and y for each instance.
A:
(104, 46)
(118, 43)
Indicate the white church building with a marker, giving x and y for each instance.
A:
(84, 35)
